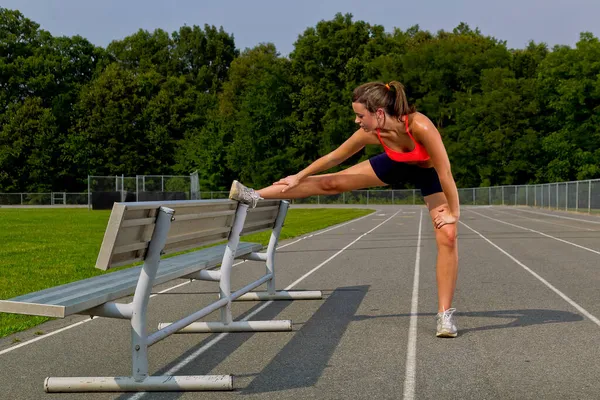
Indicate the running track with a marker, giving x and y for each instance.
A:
(528, 301)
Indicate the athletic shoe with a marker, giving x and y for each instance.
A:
(244, 194)
(446, 325)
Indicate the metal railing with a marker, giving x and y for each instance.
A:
(579, 196)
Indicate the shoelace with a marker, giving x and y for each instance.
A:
(251, 195)
(447, 314)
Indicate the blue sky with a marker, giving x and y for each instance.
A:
(281, 21)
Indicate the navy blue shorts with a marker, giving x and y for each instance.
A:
(393, 173)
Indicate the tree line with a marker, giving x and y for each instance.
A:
(160, 103)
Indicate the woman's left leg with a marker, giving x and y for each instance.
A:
(447, 257)
(359, 176)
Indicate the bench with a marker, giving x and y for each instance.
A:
(144, 231)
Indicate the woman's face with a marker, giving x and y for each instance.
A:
(367, 120)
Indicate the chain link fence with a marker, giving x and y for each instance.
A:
(105, 190)
(44, 199)
(578, 196)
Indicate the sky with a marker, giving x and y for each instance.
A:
(281, 21)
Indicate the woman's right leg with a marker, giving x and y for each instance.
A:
(359, 176)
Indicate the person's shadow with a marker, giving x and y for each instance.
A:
(511, 318)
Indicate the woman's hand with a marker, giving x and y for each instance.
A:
(289, 181)
(442, 216)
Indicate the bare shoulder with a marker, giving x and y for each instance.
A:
(421, 126)
(421, 121)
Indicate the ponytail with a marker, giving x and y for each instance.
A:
(390, 96)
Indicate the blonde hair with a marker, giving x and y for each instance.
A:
(390, 97)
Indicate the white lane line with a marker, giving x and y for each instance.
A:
(411, 353)
(336, 254)
(542, 221)
(560, 216)
(545, 282)
(539, 233)
(217, 339)
(47, 335)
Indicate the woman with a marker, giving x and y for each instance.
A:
(413, 151)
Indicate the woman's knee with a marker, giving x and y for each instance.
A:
(446, 236)
(331, 184)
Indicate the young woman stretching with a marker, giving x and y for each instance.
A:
(413, 152)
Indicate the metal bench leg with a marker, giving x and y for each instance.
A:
(140, 381)
(269, 258)
(227, 323)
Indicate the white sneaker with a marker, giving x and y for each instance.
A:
(446, 325)
(244, 194)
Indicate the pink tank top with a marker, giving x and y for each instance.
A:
(419, 153)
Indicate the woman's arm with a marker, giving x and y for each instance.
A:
(430, 137)
(351, 146)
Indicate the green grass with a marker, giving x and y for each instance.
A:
(42, 248)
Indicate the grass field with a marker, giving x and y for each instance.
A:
(42, 248)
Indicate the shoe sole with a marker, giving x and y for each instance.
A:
(233, 192)
(446, 335)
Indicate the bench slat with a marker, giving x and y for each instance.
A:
(195, 235)
(131, 226)
(196, 223)
(138, 222)
(187, 217)
(75, 297)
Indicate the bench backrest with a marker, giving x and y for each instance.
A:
(197, 223)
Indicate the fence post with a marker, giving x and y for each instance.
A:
(489, 196)
(473, 196)
(502, 195)
(21, 198)
(590, 196)
(557, 195)
(392, 196)
(344, 197)
(567, 196)
(414, 196)
(577, 196)
(368, 191)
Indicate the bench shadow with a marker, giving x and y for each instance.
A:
(205, 362)
(301, 362)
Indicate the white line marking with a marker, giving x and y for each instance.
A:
(545, 282)
(561, 224)
(164, 291)
(207, 346)
(560, 216)
(45, 336)
(336, 254)
(411, 353)
(538, 232)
